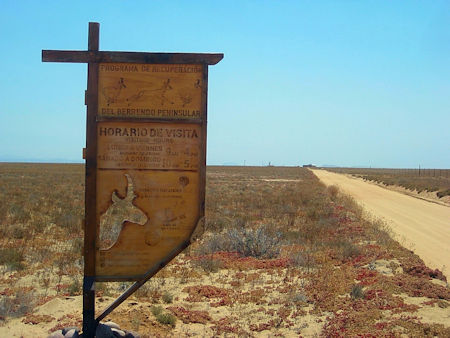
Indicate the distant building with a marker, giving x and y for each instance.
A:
(309, 166)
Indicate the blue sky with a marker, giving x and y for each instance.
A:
(349, 83)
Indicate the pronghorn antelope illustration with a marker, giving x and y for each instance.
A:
(157, 95)
(111, 93)
(120, 211)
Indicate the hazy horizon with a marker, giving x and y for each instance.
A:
(62, 161)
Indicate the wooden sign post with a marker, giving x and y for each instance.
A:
(145, 162)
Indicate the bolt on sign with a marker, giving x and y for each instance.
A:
(145, 161)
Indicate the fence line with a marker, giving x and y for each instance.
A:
(413, 172)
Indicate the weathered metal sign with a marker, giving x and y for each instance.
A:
(145, 162)
(150, 164)
(165, 91)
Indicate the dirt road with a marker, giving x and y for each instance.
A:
(421, 226)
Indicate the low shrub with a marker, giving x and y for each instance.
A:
(208, 264)
(298, 298)
(156, 310)
(261, 242)
(163, 317)
(303, 259)
(18, 213)
(357, 292)
(102, 289)
(346, 249)
(166, 319)
(148, 290)
(18, 231)
(12, 258)
(333, 191)
(349, 250)
(69, 221)
(75, 287)
(443, 193)
(17, 305)
(167, 298)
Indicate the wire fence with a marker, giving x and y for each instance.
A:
(412, 172)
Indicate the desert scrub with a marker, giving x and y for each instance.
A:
(322, 247)
(27, 199)
(346, 249)
(41, 207)
(443, 192)
(156, 310)
(102, 289)
(412, 179)
(261, 242)
(166, 319)
(333, 191)
(208, 264)
(12, 258)
(253, 194)
(70, 220)
(167, 297)
(303, 259)
(357, 291)
(74, 287)
(163, 317)
(16, 305)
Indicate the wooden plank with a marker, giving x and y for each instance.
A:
(129, 57)
(202, 190)
(90, 225)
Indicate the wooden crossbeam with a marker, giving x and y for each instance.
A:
(129, 57)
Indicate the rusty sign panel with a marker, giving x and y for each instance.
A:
(166, 91)
(148, 193)
(150, 164)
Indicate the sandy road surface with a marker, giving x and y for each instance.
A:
(421, 226)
